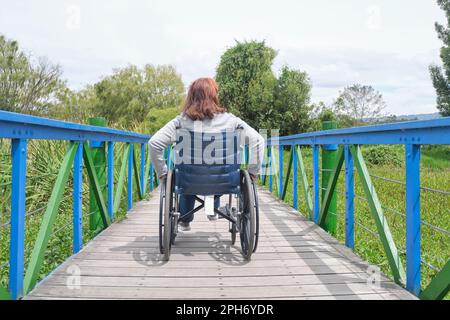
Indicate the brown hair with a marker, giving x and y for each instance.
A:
(202, 100)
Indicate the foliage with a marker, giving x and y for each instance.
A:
(247, 82)
(384, 155)
(436, 157)
(156, 119)
(330, 113)
(26, 86)
(360, 103)
(440, 76)
(249, 89)
(130, 93)
(292, 102)
(75, 106)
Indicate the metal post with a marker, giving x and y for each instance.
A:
(142, 168)
(349, 199)
(111, 180)
(316, 195)
(329, 153)
(269, 159)
(130, 177)
(294, 178)
(151, 177)
(168, 162)
(247, 154)
(413, 218)
(78, 199)
(97, 149)
(280, 164)
(16, 260)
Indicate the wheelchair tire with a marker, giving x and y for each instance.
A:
(255, 194)
(162, 196)
(247, 220)
(168, 216)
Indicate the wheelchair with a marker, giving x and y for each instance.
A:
(226, 177)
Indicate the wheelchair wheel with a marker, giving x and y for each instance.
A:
(169, 217)
(162, 198)
(255, 194)
(247, 216)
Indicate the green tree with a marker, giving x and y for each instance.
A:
(157, 118)
(25, 86)
(360, 103)
(322, 112)
(441, 76)
(247, 82)
(130, 93)
(292, 102)
(75, 106)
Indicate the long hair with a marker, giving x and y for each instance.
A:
(202, 100)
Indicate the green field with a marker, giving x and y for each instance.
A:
(435, 174)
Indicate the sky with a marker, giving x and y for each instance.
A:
(388, 44)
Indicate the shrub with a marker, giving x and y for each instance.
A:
(383, 155)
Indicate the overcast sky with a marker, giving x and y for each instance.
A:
(388, 44)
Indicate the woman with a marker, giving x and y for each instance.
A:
(202, 109)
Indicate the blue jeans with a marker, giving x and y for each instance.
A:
(187, 203)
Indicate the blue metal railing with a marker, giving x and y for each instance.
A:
(412, 135)
(20, 129)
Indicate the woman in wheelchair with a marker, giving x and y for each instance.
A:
(207, 142)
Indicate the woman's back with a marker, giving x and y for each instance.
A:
(202, 113)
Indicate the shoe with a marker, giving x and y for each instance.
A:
(223, 210)
(212, 218)
(184, 226)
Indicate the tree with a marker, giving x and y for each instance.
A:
(157, 118)
(292, 102)
(25, 86)
(247, 83)
(75, 106)
(321, 112)
(130, 93)
(441, 76)
(361, 103)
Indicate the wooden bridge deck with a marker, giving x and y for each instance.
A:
(295, 260)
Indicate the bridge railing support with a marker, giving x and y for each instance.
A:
(20, 129)
(411, 135)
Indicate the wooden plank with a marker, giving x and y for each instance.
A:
(240, 292)
(145, 263)
(202, 256)
(207, 272)
(153, 282)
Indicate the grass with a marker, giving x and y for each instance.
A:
(43, 162)
(435, 174)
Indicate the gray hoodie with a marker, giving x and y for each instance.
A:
(167, 135)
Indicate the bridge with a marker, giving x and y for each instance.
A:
(110, 238)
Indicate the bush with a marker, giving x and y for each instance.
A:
(383, 155)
